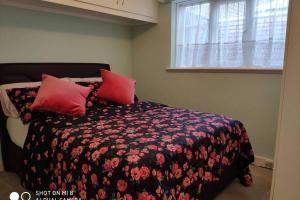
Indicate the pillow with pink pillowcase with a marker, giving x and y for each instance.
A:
(116, 88)
(62, 97)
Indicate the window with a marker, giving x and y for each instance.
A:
(230, 33)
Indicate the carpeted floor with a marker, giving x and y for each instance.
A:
(260, 190)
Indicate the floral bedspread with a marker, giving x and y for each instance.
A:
(142, 151)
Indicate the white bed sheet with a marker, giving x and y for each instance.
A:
(17, 130)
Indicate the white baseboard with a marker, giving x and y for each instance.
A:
(261, 161)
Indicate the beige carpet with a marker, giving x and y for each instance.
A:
(260, 190)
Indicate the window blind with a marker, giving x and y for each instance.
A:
(231, 33)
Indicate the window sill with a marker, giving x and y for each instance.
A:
(226, 70)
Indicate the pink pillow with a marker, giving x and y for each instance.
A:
(60, 96)
(116, 88)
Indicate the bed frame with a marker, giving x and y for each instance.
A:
(28, 72)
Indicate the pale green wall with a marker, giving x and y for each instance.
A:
(251, 98)
(31, 36)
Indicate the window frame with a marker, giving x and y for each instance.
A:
(261, 70)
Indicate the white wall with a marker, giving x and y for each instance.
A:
(286, 179)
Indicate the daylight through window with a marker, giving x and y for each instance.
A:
(231, 33)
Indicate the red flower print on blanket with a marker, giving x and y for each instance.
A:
(140, 151)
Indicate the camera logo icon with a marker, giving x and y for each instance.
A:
(16, 196)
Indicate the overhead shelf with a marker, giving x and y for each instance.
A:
(130, 12)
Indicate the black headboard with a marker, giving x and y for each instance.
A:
(29, 72)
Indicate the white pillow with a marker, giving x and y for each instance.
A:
(7, 106)
(89, 79)
(17, 130)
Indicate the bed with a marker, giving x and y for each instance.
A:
(142, 151)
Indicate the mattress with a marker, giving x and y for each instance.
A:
(17, 131)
